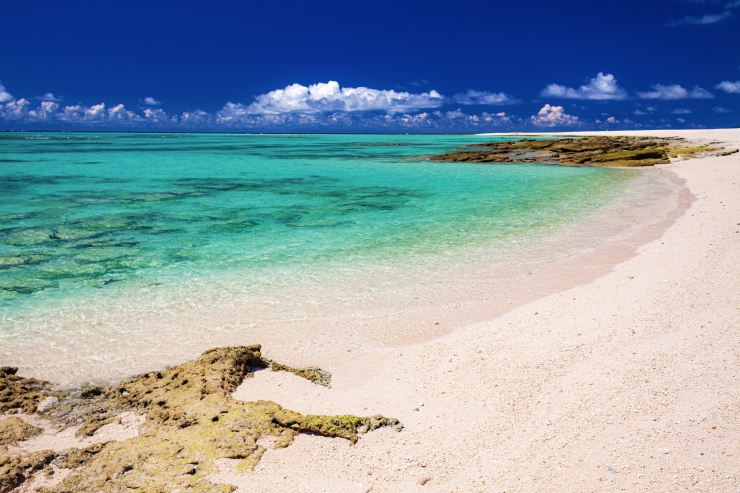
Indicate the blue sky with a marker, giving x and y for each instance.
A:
(369, 66)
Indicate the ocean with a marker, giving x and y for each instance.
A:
(119, 251)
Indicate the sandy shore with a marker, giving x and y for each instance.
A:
(627, 383)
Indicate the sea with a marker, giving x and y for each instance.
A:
(125, 252)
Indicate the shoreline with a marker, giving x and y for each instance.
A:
(620, 382)
(404, 305)
(555, 400)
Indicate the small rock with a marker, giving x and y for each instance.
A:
(415, 409)
(665, 451)
(424, 481)
(47, 404)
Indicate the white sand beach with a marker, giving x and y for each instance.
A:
(627, 383)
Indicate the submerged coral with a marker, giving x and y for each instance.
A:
(191, 421)
(581, 151)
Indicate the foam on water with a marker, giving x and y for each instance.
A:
(122, 252)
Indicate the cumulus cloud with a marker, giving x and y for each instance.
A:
(329, 97)
(601, 88)
(5, 96)
(152, 102)
(681, 111)
(553, 116)
(49, 96)
(727, 86)
(719, 109)
(703, 20)
(95, 112)
(483, 98)
(455, 114)
(675, 91)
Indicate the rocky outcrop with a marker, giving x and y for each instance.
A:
(14, 430)
(21, 393)
(191, 421)
(583, 151)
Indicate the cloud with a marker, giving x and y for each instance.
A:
(675, 91)
(719, 109)
(732, 4)
(95, 112)
(727, 86)
(4, 95)
(326, 97)
(602, 87)
(455, 114)
(703, 20)
(553, 116)
(152, 102)
(483, 98)
(681, 111)
(49, 97)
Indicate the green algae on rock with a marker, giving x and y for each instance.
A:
(311, 373)
(578, 151)
(16, 468)
(21, 393)
(191, 421)
(14, 430)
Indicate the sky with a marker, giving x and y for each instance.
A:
(369, 66)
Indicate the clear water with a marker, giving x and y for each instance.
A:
(94, 221)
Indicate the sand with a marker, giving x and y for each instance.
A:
(628, 383)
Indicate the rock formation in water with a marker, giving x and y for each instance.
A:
(191, 421)
(578, 151)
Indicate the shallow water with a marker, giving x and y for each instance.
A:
(121, 250)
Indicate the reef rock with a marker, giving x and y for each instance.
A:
(578, 151)
(191, 421)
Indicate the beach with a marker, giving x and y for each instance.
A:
(617, 372)
(628, 383)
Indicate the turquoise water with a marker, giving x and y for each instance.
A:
(83, 214)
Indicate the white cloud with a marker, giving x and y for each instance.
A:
(730, 87)
(95, 112)
(496, 119)
(49, 97)
(152, 102)
(611, 119)
(703, 20)
(640, 112)
(325, 97)
(5, 96)
(553, 116)
(602, 87)
(675, 91)
(483, 98)
(719, 109)
(681, 111)
(157, 115)
(455, 114)
(700, 93)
